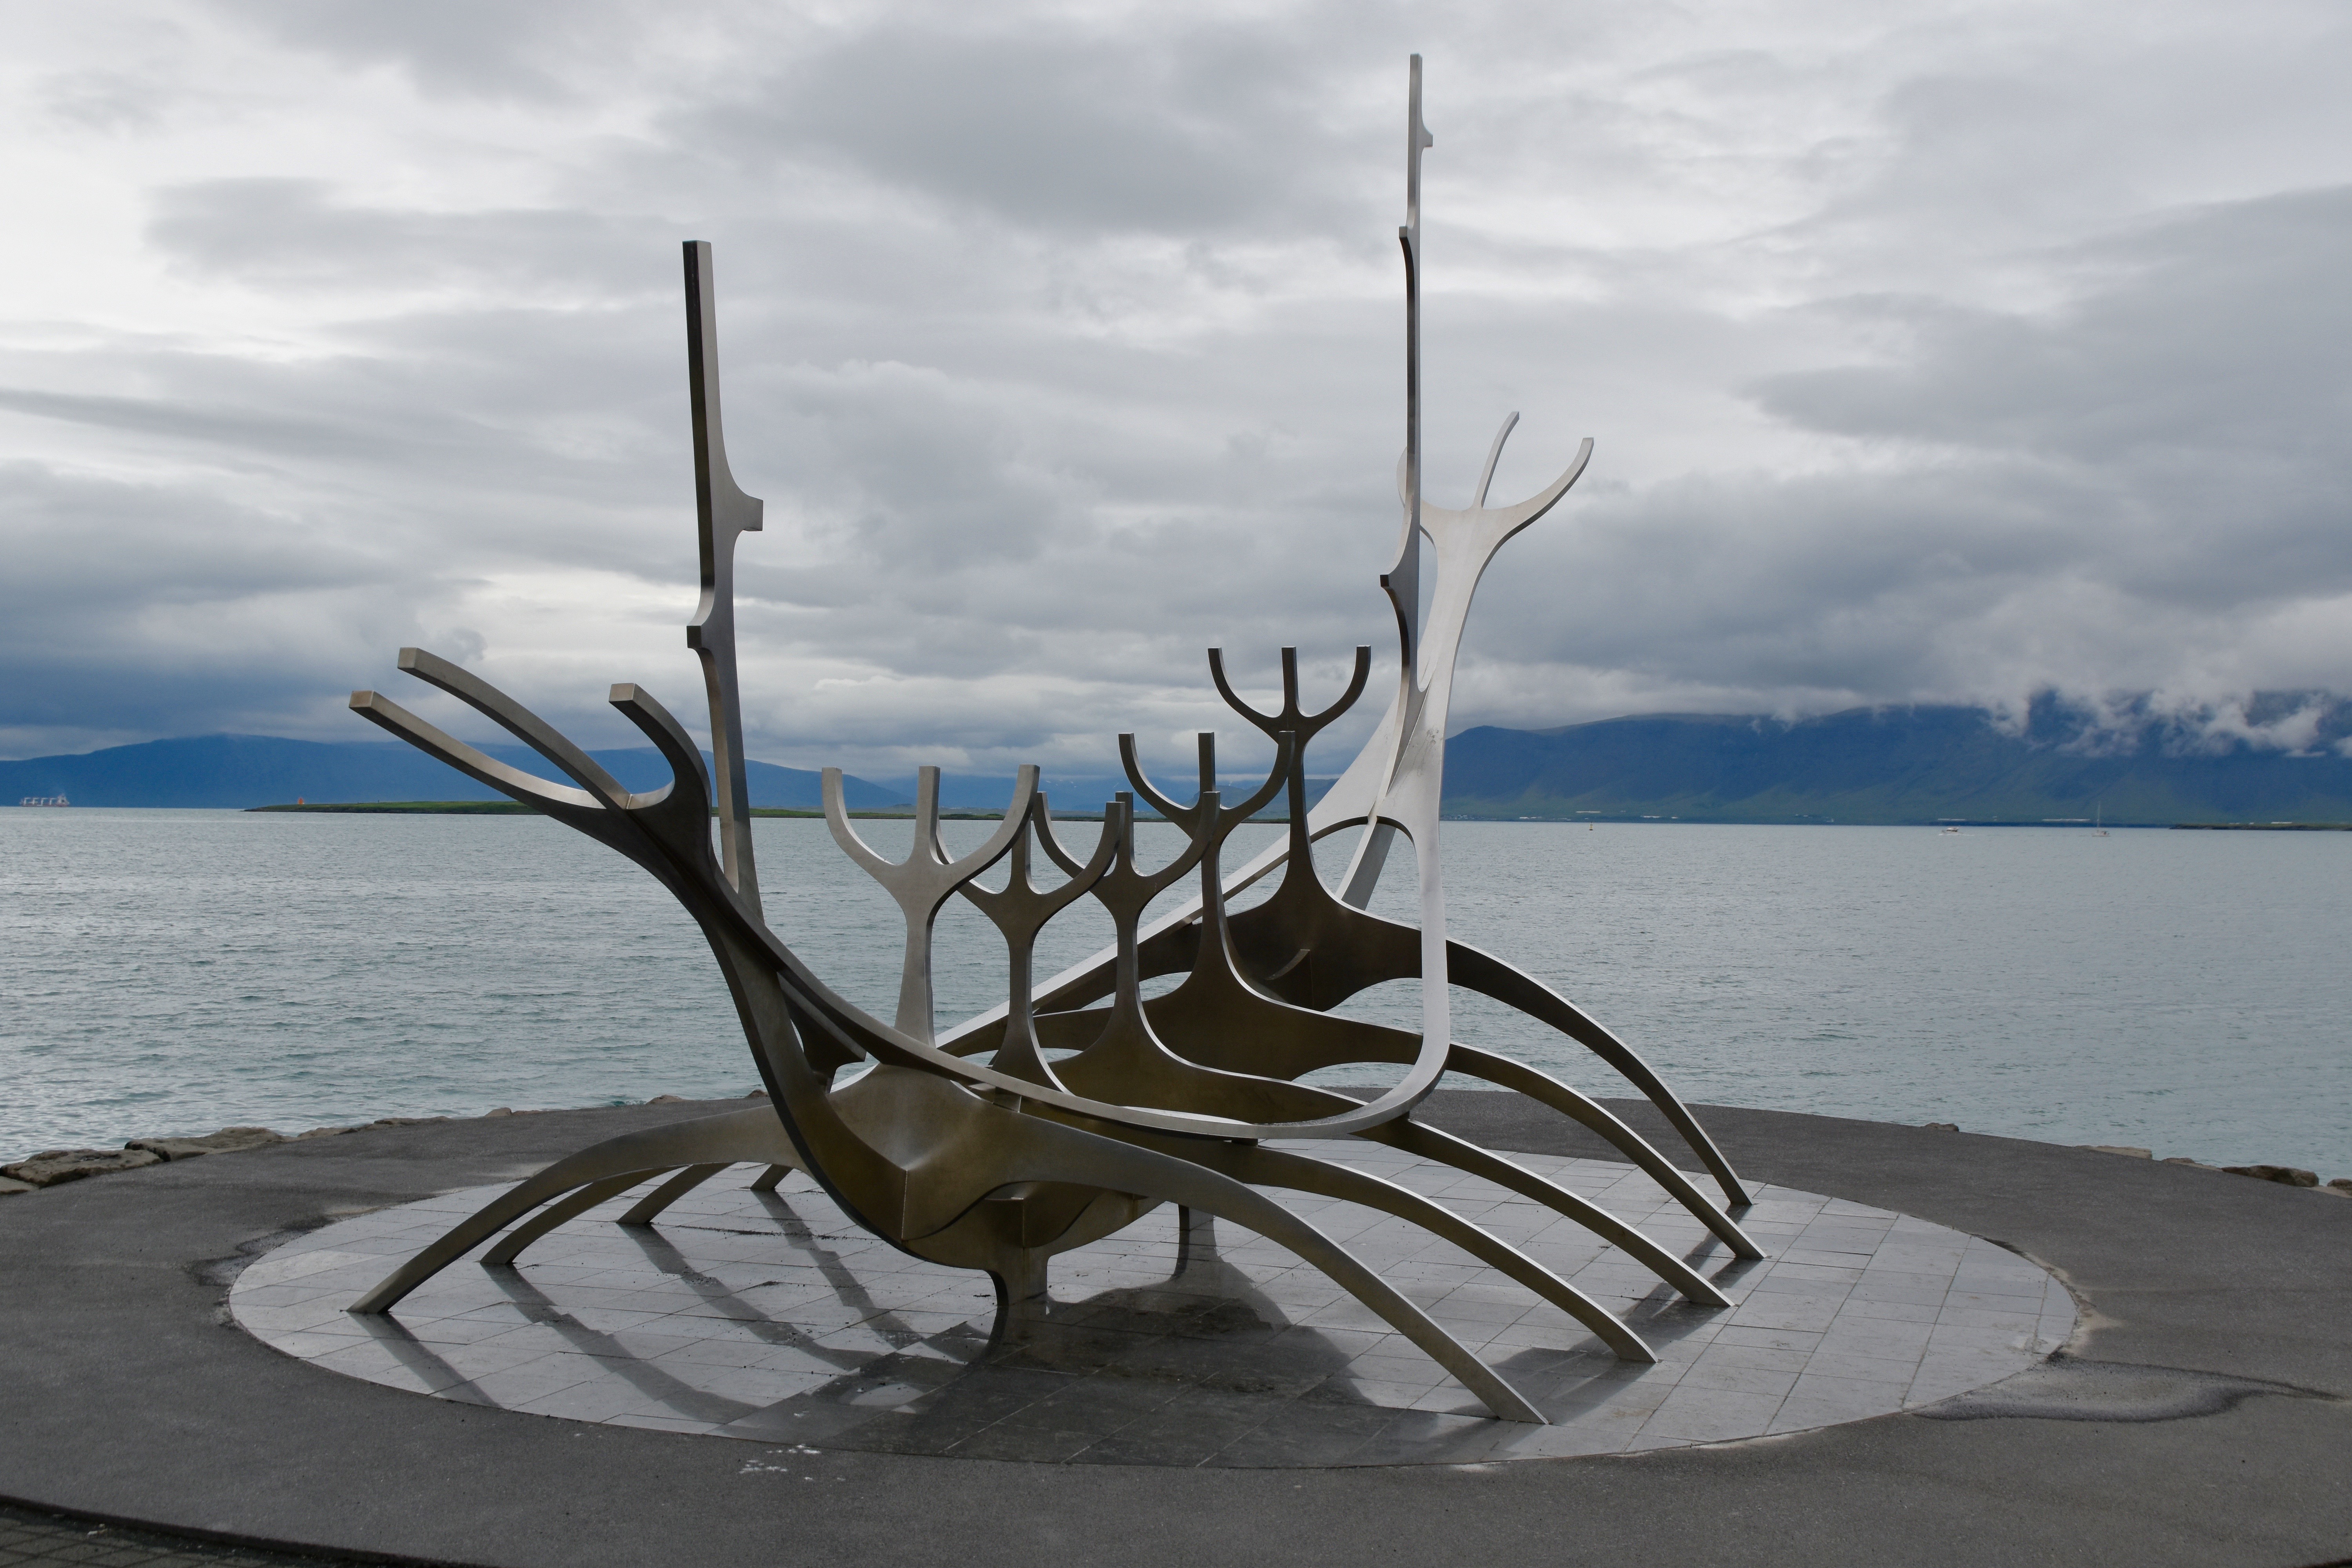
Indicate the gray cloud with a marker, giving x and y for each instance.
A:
(494, 48)
(1927, 360)
(1084, 127)
(277, 233)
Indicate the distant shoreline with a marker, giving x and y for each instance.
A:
(1892, 766)
(515, 808)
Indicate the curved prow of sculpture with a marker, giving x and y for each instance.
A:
(599, 808)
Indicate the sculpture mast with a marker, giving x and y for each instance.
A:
(723, 513)
(1403, 580)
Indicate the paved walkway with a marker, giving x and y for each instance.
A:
(2203, 1416)
(34, 1539)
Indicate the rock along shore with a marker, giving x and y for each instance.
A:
(2286, 1175)
(52, 1167)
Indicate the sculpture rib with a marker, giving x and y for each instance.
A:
(1261, 1166)
(513, 1244)
(645, 1153)
(643, 1212)
(1460, 1154)
(1505, 1073)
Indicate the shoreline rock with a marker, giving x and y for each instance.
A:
(2286, 1175)
(54, 1167)
(227, 1141)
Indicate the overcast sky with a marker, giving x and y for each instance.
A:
(1932, 353)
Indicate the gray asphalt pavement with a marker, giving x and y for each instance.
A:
(2203, 1416)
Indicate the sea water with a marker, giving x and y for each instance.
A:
(173, 971)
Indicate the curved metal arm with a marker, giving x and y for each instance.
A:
(384, 713)
(604, 812)
(926, 878)
(669, 737)
(1286, 753)
(1070, 864)
(1020, 910)
(1191, 817)
(516, 719)
(1187, 818)
(1494, 456)
(1291, 716)
(1022, 906)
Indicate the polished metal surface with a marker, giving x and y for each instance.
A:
(725, 514)
(1080, 1107)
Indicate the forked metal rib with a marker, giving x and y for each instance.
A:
(926, 879)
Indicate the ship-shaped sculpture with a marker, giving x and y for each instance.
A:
(1079, 1105)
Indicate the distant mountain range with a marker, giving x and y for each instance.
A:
(1867, 765)
(263, 769)
(1901, 766)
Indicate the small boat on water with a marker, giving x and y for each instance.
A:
(1951, 830)
(45, 800)
(2098, 821)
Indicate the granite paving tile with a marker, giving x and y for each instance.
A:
(1785, 1313)
(516, 1387)
(1771, 1357)
(1898, 1370)
(1707, 1416)
(1797, 1414)
(1709, 1374)
(1774, 1339)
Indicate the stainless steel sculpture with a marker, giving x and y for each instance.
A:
(1078, 1106)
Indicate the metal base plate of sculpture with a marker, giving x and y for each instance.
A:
(768, 1317)
(1079, 1107)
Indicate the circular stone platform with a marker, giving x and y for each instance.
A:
(769, 1316)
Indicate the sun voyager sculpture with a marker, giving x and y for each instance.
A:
(1079, 1105)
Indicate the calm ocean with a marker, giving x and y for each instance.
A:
(179, 970)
